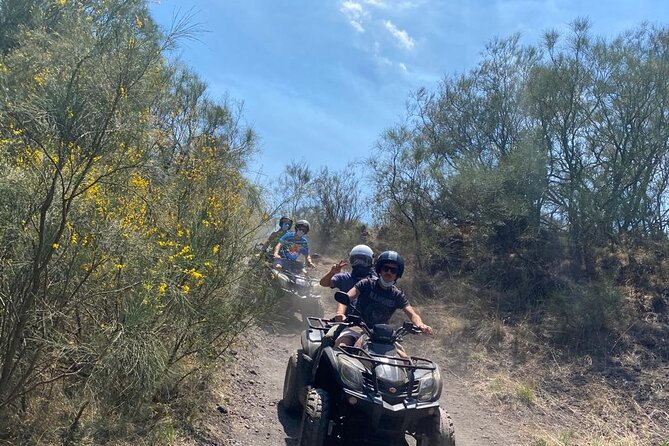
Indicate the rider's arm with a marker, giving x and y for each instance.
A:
(276, 250)
(326, 280)
(416, 320)
(353, 293)
(340, 311)
(309, 262)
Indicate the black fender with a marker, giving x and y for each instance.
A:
(324, 373)
(310, 340)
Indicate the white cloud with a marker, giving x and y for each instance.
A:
(355, 14)
(402, 37)
(395, 5)
(403, 67)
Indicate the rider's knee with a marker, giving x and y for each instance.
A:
(344, 340)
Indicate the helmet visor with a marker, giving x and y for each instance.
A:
(359, 260)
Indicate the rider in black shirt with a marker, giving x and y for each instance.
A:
(378, 298)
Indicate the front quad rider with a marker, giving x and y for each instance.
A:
(361, 259)
(378, 298)
(292, 245)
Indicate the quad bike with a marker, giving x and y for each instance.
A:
(369, 394)
(294, 280)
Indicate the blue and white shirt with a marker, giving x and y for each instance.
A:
(292, 248)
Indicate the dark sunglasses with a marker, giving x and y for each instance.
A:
(301, 227)
(388, 269)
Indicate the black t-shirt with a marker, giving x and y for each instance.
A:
(376, 304)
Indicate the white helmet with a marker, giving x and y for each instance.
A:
(361, 255)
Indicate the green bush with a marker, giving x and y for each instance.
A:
(582, 316)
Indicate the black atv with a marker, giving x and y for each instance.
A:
(369, 394)
(292, 277)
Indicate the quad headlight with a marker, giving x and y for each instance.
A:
(350, 372)
(429, 385)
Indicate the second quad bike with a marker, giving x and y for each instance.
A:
(371, 393)
(294, 280)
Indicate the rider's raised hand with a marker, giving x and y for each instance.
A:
(336, 268)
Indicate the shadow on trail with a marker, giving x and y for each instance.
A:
(291, 422)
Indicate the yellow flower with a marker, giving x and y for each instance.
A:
(39, 79)
(139, 182)
(55, 246)
(162, 288)
(216, 248)
(194, 274)
(185, 289)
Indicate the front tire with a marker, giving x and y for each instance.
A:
(315, 419)
(292, 383)
(438, 431)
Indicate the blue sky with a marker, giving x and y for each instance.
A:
(321, 79)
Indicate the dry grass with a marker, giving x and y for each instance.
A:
(563, 400)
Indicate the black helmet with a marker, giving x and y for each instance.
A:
(285, 220)
(390, 256)
(303, 223)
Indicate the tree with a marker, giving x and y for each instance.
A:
(337, 200)
(126, 218)
(295, 189)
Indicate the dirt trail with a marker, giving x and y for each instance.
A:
(251, 413)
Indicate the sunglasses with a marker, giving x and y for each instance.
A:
(304, 228)
(388, 269)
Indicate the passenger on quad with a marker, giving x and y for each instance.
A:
(378, 298)
(293, 244)
(285, 223)
(361, 259)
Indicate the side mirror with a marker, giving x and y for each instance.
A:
(342, 298)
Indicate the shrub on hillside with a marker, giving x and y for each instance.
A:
(583, 316)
